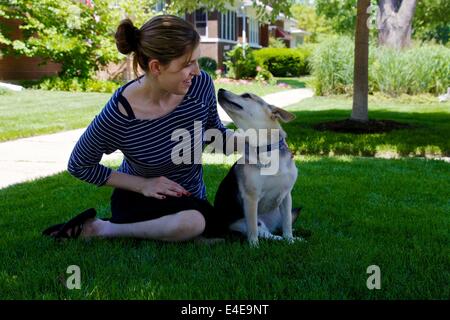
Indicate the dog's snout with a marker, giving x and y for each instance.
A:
(221, 92)
(227, 101)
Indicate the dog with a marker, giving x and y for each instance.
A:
(254, 204)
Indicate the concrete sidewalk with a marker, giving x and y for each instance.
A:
(36, 157)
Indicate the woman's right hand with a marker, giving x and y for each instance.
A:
(161, 187)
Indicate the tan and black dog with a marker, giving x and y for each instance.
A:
(257, 204)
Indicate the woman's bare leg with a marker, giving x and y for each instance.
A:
(181, 226)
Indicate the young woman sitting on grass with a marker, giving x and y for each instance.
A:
(153, 198)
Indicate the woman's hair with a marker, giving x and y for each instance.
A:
(163, 37)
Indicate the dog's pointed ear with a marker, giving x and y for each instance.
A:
(281, 114)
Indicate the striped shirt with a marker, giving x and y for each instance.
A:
(147, 144)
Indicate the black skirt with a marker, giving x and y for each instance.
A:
(131, 207)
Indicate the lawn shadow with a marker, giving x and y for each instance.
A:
(428, 134)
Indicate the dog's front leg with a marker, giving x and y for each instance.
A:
(286, 218)
(251, 217)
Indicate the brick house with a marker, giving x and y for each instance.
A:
(219, 31)
(13, 68)
(288, 32)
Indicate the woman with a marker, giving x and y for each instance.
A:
(153, 197)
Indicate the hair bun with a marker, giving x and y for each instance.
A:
(127, 37)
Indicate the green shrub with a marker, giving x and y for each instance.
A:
(265, 76)
(332, 66)
(209, 65)
(276, 43)
(74, 84)
(238, 65)
(424, 69)
(92, 85)
(284, 62)
(415, 70)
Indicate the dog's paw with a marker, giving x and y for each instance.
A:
(272, 237)
(292, 240)
(254, 243)
(264, 234)
(275, 237)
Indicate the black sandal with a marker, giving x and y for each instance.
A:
(75, 225)
(50, 230)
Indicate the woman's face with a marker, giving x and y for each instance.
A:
(177, 77)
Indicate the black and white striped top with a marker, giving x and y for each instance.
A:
(147, 144)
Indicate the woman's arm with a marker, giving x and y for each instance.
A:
(98, 139)
(159, 187)
(101, 138)
(232, 140)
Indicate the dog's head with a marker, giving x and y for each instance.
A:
(249, 111)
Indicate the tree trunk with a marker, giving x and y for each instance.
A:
(394, 22)
(361, 66)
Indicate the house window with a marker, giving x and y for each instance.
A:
(160, 6)
(253, 26)
(201, 21)
(228, 25)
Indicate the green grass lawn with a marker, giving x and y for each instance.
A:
(362, 212)
(35, 112)
(428, 136)
(297, 82)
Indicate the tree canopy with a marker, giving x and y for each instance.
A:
(431, 20)
(308, 19)
(79, 34)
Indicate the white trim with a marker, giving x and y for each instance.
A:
(216, 40)
(299, 31)
(253, 32)
(219, 40)
(228, 24)
(255, 45)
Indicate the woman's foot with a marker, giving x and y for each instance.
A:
(89, 229)
(84, 225)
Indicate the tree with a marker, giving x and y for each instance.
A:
(79, 34)
(308, 19)
(361, 64)
(430, 19)
(395, 22)
(340, 14)
(277, 7)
